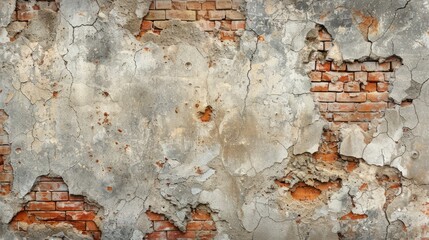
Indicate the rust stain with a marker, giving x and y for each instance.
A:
(206, 115)
(367, 24)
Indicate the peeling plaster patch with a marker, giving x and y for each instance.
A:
(353, 141)
(309, 138)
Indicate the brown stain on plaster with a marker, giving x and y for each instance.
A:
(206, 115)
(367, 24)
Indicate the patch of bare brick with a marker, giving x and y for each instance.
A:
(51, 204)
(200, 226)
(222, 18)
(6, 175)
(351, 93)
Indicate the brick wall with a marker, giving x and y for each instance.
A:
(200, 226)
(221, 18)
(49, 203)
(352, 93)
(6, 176)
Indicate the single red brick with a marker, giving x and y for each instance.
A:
(372, 107)
(154, 216)
(49, 179)
(234, 15)
(238, 25)
(51, 186)
(69, 205)
(351, 97)
(36, 206)
(223, 4)
(352, 87)
(337, 76)
(326, 66)
(76, 197)
(80, 215)
(324, 97)
(355, 117)
(146, 25)
(155, 15)
(208, 6)
(375, 77)
(91, 226)
(43, 196)
(200, 215)
(163, 4)
(216, 15)
(315, 76)
(335, 67)
(6, 177)
(48, 215)
(60, 196)
(378, 97)
(369, 66)
(370, 87)
(179, 5)
(164, 226)
(319, 87)
(156, 236)
(341, 107)
(326, 157)
(185, 15)
(382, 86)
(174, 235)
(194, 225)
(4, 150)
(26, 15)
(31, 196)
(193, 5)
(336, 87)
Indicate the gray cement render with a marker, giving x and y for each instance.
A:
(264, 122)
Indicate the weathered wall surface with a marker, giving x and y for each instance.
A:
(225, 119)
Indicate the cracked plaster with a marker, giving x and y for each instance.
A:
(264, 115)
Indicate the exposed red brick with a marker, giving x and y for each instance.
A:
(378, 97)
(341, 107)
(304, 192)
(382, 86)
(193, 5)
(69, 205)
(355, 117)
(35, 206)
(326, 66)
(372, 107)
(178, 5)
(352, 87)
(223, 4)
(4, 150)
(324, 97)
(146, 25)
(156, 236)
(163, 4)
(208, 5)
(351, 97)
(319, 87)
(336, 87)
(80, 215)
(337, 76)
(43, 196)
(335, 67)
(326, 157)
(60, 196)
(315, 76)
(6, 177)
(370, 87)
(174, 235)
(375, 77)
(154, 216)
(185, 15)
(216, 15)
(48, 215)
(91, 226)
(238, 25)
(234, 15)
(155, 15)
(200, 215)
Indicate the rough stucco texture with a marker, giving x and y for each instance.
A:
(215, 119)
